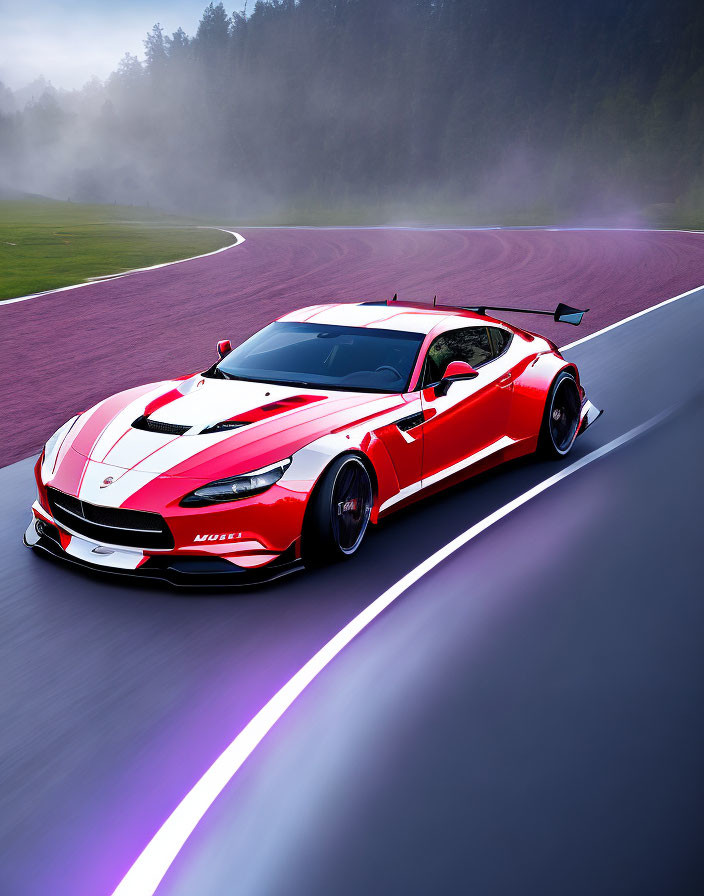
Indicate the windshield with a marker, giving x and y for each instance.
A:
(302, 354)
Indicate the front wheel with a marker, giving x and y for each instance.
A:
(561, 418)
(338, 514)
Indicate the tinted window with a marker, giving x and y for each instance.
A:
(357, 358)
(500, 340)
(470, 345)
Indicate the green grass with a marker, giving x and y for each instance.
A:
(688, 212)
(46, 244)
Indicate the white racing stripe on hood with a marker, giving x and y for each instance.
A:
(134, 457)
(163, 456)
(120, 445)
(105, 444)
(157, 454)
(125, 484)
(201, 406)
(218, 400)
(85, 419)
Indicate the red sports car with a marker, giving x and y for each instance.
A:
(283, 451)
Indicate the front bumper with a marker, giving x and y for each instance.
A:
(176, 569)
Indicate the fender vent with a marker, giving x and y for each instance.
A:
(168, 429)
(411, 422)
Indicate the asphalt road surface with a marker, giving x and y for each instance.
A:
(525, 718)
(63, 352)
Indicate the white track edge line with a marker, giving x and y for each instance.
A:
(147, 872)
(629, 319)
(468, 229)
(105, 278)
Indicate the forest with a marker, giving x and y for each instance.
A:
(377, 111)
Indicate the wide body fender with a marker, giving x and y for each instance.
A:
(530, 392)
(310, 463)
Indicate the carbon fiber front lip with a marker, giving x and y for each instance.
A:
(167, 572)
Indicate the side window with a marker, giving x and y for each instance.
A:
(500, 340)
(471, 345)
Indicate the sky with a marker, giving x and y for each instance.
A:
(71, 41)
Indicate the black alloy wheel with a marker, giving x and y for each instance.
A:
(561, 418)
(338, 513)
(351, 505)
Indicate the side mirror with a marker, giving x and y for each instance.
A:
(224, 348)
(456, 370)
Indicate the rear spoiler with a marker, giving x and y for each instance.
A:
(563, 314)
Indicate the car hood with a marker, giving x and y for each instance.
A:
(177, 435)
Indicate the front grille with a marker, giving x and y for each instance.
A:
(169, 429)
(110, 525)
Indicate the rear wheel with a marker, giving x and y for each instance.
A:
(561, 418)
(338, 514)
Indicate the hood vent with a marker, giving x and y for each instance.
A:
(168, 429)
(283, 404)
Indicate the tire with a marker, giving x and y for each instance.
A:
(561, 417)
(338, 513)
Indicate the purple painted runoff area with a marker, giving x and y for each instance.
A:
(63, 352)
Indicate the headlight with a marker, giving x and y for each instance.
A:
(236, 487)
(52, 446)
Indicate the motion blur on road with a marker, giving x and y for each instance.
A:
(535, 697)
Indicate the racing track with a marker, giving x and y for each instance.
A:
(63, 352)
(119, 698)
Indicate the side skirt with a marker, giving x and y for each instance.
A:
(504, 449)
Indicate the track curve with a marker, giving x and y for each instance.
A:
(63, 352)
(121, 696)
(494, 733)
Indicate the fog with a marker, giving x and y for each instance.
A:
(69, 42)
(351, 111)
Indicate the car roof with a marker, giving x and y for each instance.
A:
(409, 317)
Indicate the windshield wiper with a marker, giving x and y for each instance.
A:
(294, 383)
(218, 374)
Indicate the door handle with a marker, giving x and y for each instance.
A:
(506, 381)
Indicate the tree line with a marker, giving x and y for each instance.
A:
(459, 109)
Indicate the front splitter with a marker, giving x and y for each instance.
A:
(181, 571)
